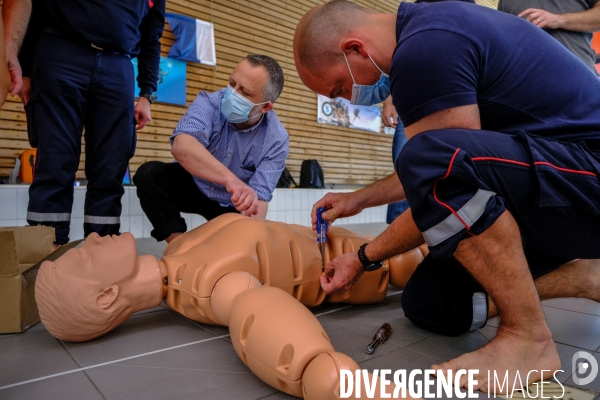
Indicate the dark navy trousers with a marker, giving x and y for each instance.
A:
(458, 182)
(75, 86)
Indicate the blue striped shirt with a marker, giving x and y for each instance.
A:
(255, 155)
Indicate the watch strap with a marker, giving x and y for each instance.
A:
(148, 97)
(363, 257)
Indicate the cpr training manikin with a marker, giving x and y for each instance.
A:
(253, 275)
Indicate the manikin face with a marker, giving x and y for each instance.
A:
(92, 289)
(92, 262)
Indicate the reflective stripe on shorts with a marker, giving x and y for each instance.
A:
(469, 214)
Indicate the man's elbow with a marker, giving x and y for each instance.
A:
(177, 149)
(175, 152)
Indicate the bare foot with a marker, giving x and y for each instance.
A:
(508, 352)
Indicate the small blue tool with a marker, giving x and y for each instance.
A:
(321, 234)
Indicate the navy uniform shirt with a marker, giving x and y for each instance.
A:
(132, 27)
(452, 54)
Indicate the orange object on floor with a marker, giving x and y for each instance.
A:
(27, 165)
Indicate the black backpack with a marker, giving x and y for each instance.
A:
(311, 175)
(286, 180)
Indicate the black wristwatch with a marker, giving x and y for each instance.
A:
(148, 97)
(368, 265)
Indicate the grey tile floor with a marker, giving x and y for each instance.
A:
(158, 354)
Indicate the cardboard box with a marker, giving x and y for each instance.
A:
(22, 251)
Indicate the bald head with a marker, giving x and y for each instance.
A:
(319, 32)
(340, 43)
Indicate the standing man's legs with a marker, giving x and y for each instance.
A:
(397, 208)
(110, 141)
(54, 122)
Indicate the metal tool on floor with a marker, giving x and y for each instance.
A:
(321, 234)
(381, 336)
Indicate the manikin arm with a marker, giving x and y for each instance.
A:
(281, 341)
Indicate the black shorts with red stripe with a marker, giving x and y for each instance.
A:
(458, 182)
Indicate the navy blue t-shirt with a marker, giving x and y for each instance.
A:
(452, 54)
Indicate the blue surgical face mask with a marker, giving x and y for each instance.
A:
(236, 108)
(367, 95)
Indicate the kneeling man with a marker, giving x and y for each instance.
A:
(230, 150)
(501, 169)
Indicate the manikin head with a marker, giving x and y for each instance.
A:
(328, 32)
(89, 291)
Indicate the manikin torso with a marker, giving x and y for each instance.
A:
(280, 255)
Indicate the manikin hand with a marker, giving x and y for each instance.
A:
(142, 113)
(338, 205)
(540, 18)
(16, 75)
(243, 197)
(25, 92)
(341, 274)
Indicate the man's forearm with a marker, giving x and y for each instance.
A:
(586, 21)
(16, 17)
(4, 76)
(401, 236)
(388, 102)
(149, 58)
(384, 191)
(198, 161)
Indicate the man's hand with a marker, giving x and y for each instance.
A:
(142, 113)
(542, 19)
(243, 197)
(341, 274)
(338, 205)
(261, 210)
(25, 92)
(16, 75)
(389, 114)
